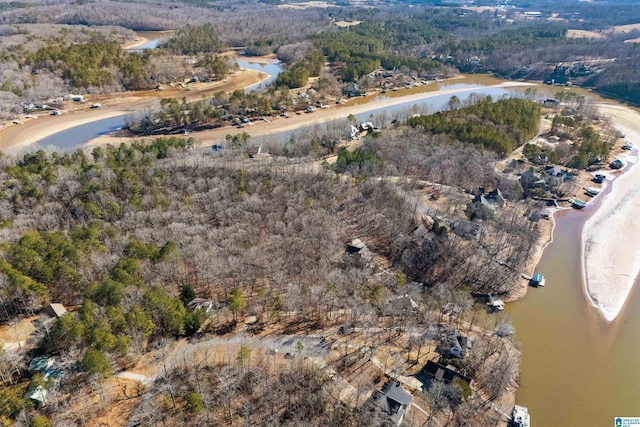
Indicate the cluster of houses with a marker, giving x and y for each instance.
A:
(396, 401)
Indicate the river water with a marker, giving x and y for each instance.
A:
(577, 369)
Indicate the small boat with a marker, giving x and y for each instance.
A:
(537, 280)
(592, 191)
(495, 304)
(577, 203)
(521, 417)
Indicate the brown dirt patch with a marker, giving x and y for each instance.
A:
(344, 24)
(307, 5)
(618, 29)
(582, 34)
(18, 332)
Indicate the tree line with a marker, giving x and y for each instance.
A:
(500, 126)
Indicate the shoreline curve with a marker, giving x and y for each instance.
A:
(610, 258)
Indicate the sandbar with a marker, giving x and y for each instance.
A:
(611, 250)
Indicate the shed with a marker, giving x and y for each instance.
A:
(54, 310)
(198, 303)
(355, 246)
(465, 229)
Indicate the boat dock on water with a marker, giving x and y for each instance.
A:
(521, 417)
(577, 203)
(592, 191)
(495, 304)
(537, 280)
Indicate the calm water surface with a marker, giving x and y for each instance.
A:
(577, 369)
(68, 140)
(271, 68)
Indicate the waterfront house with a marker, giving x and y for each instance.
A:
(492, 200)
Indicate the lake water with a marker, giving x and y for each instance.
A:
(577, 369)
(425, 106)
(271, 68)
(154, 38)
(70, 139)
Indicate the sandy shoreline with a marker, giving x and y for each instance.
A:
(278, 125)
(34, 130)
(143, 37)
(13, 137)
(611, 255)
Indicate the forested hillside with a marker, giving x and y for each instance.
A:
(127, 236)
(500, 126)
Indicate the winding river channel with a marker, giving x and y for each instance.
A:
(577, 369)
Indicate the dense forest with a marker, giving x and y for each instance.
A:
(86, 65)
(500, 126)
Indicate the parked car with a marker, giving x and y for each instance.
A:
(290, 356)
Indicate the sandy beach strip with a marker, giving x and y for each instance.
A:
(134, 44)
(611, 250)
(32, 131)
